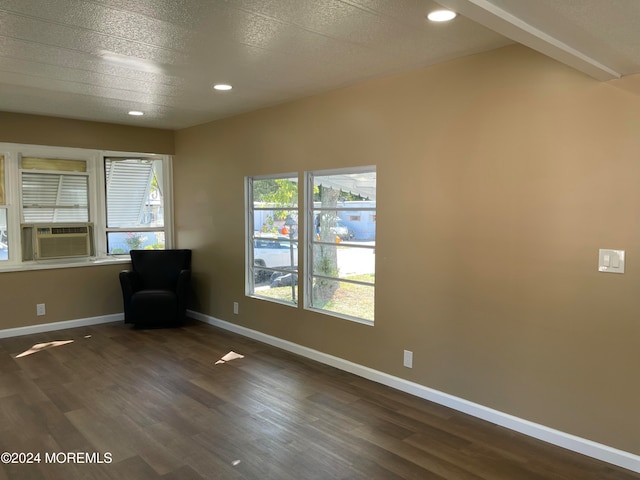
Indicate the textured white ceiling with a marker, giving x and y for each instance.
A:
(607, 31)
(96, 60)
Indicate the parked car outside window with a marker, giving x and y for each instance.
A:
(273, 252)
(339, 229)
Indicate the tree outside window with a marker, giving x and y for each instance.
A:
(339, 240)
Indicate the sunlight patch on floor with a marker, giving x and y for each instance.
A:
(38, 347)
(228, 357)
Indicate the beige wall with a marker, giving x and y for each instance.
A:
(62, 132)
(500, 175)
(70, 293)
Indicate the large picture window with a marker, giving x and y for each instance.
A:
(341, 239)
(272, 234)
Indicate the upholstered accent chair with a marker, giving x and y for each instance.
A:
(155, 290)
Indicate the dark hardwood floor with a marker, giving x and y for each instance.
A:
(154, 404)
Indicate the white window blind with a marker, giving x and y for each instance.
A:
(54, 197)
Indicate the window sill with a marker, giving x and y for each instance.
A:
(57, 264)
(343, 316)
(272, 300)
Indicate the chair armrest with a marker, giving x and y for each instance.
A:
(130, 282)
(184, 279)
(182, 289)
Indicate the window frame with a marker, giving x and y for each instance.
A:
(306, 216)
(167, 202)
(4, 205)
(250, 267)
(95, 159)
(57, 207)
(310, 240)
(12, 205)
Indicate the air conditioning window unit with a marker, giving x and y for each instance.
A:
(57, 240)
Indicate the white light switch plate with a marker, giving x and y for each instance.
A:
(611, 261)
(408, 359)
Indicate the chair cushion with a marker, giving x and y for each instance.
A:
(154, 307)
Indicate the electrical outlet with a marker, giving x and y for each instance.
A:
(40, 310)
(408, 359)
(235, 307)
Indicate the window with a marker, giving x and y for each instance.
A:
(135, 204)
(48, 193)
(340, 240)
(272, 234)
(4, 238)
(340, 264)
(54, 190)
(3, 200)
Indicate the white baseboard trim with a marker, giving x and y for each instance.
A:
(555, 437)
(50, 327)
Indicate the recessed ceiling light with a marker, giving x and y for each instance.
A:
(136, 113)
(222, 87)
(441, 15)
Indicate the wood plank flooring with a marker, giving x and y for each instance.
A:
(153, 404)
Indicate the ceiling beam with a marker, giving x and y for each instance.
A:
(500, 21)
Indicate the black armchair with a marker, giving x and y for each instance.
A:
(155, 290)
